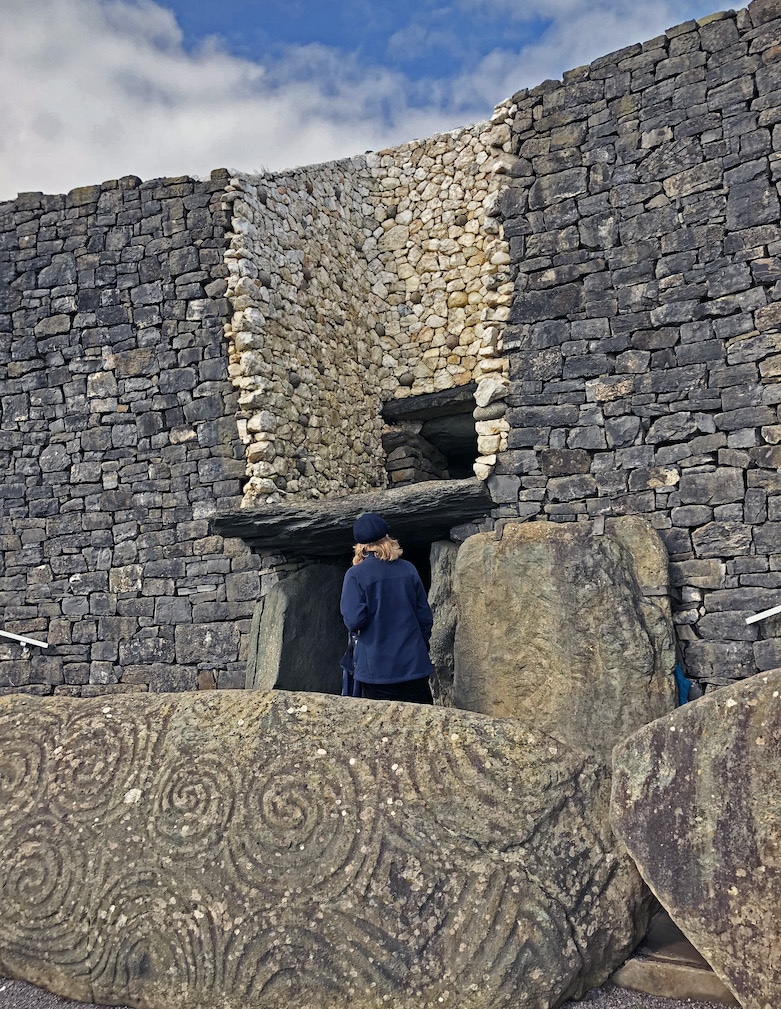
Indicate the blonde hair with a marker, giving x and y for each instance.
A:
(386, 549)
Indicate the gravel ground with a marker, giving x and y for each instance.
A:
(18, 995)
(611, 997)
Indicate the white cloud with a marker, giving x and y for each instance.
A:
(92, 90)
(95, 89)
(576, 34)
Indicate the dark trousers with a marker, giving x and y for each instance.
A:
(416, 691)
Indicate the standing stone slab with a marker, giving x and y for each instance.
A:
(440, 597)
(298, 635)
(274, 849)
(697, 801)
(554, 628)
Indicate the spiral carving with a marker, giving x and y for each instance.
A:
(152, 930)
(42, 884)
(298, 824)
(292, 962)
(194, 797)
(269, 851)
(26, 748)
(96, 762)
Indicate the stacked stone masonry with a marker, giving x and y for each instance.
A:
(602, 259)
(645, 356)
(361, 281)
(117, 436)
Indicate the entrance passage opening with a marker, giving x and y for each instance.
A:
(297, 635)
(430, 437)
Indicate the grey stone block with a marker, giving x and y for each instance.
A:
(214, 644)
(712, 488)
(767, 538)
(571, 488)
(706, 574)
(722, 539)
(728, 659)
(504, 489)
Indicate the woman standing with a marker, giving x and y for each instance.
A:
(384, 602)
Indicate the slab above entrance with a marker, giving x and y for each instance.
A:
(418, 513)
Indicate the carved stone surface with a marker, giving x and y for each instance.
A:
(298, 636)
(270, 850)
(553, 628)
(697, 801)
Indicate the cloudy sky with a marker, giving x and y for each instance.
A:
(94, 89)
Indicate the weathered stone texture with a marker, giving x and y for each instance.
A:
(389, 266)
(269, 850)
(117, 434)
(553, 628)
(696, 801)
(443, 607)
(298, 636)
(600, 260)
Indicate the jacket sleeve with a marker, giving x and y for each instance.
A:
(353, 603)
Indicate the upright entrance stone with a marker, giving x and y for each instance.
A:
(297, 633)
(565, 630)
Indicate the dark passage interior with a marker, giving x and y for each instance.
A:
(297, 634)
(430, 437)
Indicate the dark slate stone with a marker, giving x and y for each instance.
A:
(674, 427)
(728, 659)
(61, 272)
(768, 653)
(418, 513)
(722, 539)
(621, 431)
(713, 488)
(534, 306)
(734, 420)
(589, 436)
(543, 416)
(571, 488)
(691, 515)
(752, 203)
(767, 538)
(563, 462)
(429, 405)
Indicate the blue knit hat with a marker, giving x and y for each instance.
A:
(369, 528)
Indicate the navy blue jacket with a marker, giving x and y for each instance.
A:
(386, 602)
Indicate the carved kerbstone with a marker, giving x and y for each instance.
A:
(697, 801)
(281, 849)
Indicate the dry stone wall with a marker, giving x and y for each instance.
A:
(361, 281)
(645, 358)
(117, 436)
(601, 259)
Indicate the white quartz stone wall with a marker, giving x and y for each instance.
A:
(356, 282)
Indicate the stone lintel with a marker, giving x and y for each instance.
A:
(417, 513)
(432, 404)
